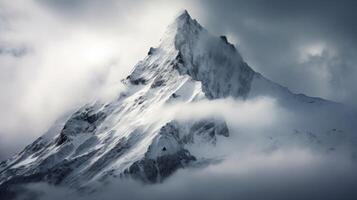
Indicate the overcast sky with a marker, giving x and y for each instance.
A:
(56, 55)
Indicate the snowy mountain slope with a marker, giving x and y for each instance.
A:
(128, 137)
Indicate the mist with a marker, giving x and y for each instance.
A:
(59, 55)
(313, 177)
(56, 56)
(263, 158)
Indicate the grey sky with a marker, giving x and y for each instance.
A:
(308, 46)
(55, 55)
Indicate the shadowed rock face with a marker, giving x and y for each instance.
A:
(167, 153)
(119, 138)
(85, 120)
(211, 60)
(156, 170)
(110, 139)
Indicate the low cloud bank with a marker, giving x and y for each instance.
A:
(267, 156)
(293, 174)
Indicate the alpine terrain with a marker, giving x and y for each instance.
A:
(124, 139)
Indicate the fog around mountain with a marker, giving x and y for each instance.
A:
(192, 118)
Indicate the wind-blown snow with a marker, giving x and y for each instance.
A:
(139, 135)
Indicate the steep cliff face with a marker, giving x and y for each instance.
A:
(127, 137)
(212, 61)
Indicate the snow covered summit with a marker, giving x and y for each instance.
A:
(127, 137)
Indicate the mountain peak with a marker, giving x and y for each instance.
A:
(184, 24)
(124, 138)
(183, 15)
(182, 30)
(206, 58)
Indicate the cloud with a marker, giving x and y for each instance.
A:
(58, 69)
(288, 173)
(313, 178)
(237, 112)
(55, 55)
(58, 55)
(267, 155)
(272, 35)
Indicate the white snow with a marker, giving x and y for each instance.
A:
(189, 65)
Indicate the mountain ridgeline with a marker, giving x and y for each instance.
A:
(121, 139)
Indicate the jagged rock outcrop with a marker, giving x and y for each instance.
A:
(124, 138)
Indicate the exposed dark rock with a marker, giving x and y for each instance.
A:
(171, 129)
(156, 170)
(178, 62)
(208, 130)
(62, 138)
(174, 95)
(224, 38)
(82, 121)
(140, 100)
(151, 51)
(157, 83)
(136, 80)
(139, 81)
(168, 164)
